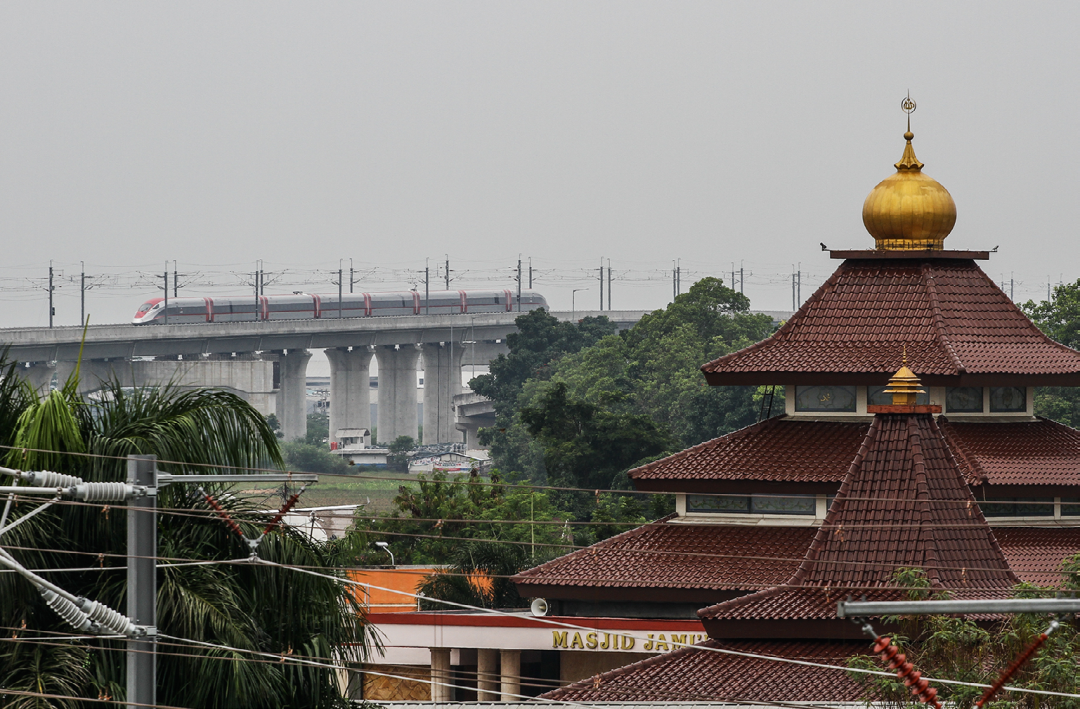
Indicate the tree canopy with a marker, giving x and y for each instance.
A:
(251, 607)
(1059, 319)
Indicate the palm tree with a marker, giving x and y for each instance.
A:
(249, 607)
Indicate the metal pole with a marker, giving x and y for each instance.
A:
(82, 292)
(175, 281)
(142, 581)
(52, 310)
(340, 287)
(427, 290)
(351, 277)
(609, 284)
(166, 292)
(447, 272)
(601, 283)
(742, 280)
(530, 273)
(867, 609)
(519, 284)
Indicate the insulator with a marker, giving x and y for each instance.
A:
(103, 492)
(46, 478)
(110, 619)
(67, 610)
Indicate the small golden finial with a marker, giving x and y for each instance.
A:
(908, 161)
(904, 385)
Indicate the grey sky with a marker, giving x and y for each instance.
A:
(218, 133)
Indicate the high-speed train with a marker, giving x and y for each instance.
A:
(307, 306)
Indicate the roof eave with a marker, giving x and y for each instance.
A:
(769, 378)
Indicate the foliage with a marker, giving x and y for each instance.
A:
(434, 516)
(478, 576)
(964, 650)
(275, 425)
(249, 606)
(318, 429)
(307, 458)
(585, 445)
(399, 449)
(1059, 319)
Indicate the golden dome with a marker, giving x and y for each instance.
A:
(909, 211)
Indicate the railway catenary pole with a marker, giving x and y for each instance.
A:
(166, 292)
(82, 291)
(530, 274)
(601, 282)
(340, 286)
(175, 281)
(447, 274)
(519, 284)
(427, 288)
(609, 284)
(52, 310)
(352, 278)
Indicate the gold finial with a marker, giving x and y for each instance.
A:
(909, 211)
(904, 385)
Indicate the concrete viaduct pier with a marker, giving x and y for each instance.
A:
(266, 362)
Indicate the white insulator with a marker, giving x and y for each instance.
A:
(67, 610)
(103, 492)
(109, 619)
(47, 478)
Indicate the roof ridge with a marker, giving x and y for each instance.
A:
(922, 495)
(954, 444)
(1024, 315)
(926, 272)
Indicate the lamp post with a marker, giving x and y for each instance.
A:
(386, 547)
(573, 308)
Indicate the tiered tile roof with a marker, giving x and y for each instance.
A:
(697, 674)
(816, 454)
(720, 558)
(956, 324)
(903, 503)
(690, 562)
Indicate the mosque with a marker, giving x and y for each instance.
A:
(908, 439)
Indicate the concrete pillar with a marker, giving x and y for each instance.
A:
(487, 675)
(38, 375)
(292, 396)
(440, 675)
(92, 372)
(350, 390)
(442, 382)
(510, 672)
(397, 392)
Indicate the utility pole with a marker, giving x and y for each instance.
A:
(799, 283)
(1012, 288)
(678, 277)
(142, 580)
(793, 306)
(601, 283)
(609, 284)
(340, 287)
(448, 271)
(742, 279)
(352, 279)
(519, 284)
(82, 292)
(175, 281)
(166, 292)
(674, 288)
(427, 289)
(530, 273)
(52, 310)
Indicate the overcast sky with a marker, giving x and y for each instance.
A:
(218, 133)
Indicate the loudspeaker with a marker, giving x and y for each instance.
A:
(539, 607)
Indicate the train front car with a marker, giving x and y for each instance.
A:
(531, 300)
(148, 311)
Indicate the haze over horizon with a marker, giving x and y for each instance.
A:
(216, 134)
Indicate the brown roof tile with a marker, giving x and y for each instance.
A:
(903, 503)
(696, 674)
(1017, 453)
(679, 556)
(1035, 553)
(954, 321)
(789, 450)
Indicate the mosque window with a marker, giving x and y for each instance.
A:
(825, 398)
(1070, 507)
(1018, 507)
(876, 396)
(1008, 399)
(964, 400)
(752, 504)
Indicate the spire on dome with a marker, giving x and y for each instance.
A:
(909, 211)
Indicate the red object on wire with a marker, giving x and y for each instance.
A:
(1017, 663)
(224, 515)
(284, 511)
(912, 678)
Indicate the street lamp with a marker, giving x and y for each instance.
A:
(573, 309)
(386, 547)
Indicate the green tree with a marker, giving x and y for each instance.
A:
(478, 576)
(1059, 319)
(964, 650)
(308, 458)
(318, 430)
(251, 606)
(398, 457)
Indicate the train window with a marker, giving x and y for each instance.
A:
(143, 308)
